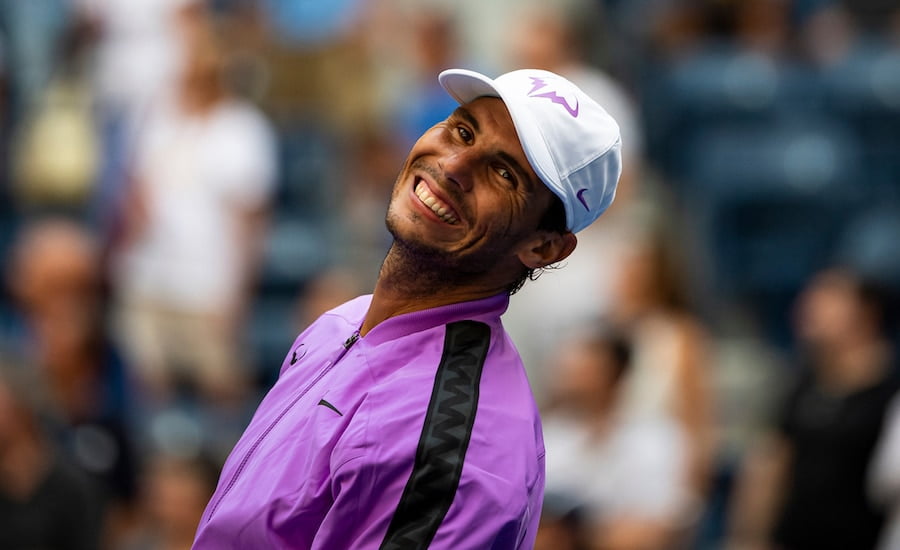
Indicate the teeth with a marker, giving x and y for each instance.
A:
(439, 208)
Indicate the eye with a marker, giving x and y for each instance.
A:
(506, 174)
(465, 134)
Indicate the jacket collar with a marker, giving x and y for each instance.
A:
(409, 323)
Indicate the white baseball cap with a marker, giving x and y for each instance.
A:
(572, 143)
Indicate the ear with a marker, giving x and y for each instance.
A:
(548, 247)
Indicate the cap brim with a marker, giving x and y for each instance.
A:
(465, 86)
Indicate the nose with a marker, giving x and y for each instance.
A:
(459, 168)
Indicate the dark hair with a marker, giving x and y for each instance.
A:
(554, 220)
(606, 338)
(879, 299)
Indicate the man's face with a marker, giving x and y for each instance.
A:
(829, 310)
(467, 198)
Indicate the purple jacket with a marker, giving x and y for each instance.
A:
(422, 434)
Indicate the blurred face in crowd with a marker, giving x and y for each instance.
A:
(176, 494)
(435, 42)
(201, 74)
(468, 200)
(830, 310)
(55, 278)
(541, 39)
(585, 376)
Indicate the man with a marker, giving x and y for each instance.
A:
(804, 486)
(625, 472)
(404, 419)
(202, 176)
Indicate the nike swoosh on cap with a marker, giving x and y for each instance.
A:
(582, 200)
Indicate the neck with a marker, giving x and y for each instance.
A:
(406, 285)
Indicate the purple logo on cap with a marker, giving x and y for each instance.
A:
(539, 84)
(580, 195)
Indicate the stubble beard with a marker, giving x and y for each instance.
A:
(418, 268)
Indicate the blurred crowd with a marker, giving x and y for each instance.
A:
(186, 184)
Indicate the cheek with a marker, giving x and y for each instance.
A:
(506, 213)
(824, 315)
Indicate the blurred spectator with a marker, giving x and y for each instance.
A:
(55, 280)
(826, 34)
(627, 473)
(671, 377)
(884, 477)
(174, 492)
(57, 149)
(203, 176)
(44, 502)
(805, 487)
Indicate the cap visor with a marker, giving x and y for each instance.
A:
(465, 86)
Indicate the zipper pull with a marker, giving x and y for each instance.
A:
(352, 340)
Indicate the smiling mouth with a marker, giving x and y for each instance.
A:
(440, 208)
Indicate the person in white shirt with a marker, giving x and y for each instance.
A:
(204, 171)
(625, 472)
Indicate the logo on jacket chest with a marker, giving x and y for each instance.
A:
(298, 353)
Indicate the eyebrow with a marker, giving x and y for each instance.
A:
(464, 114)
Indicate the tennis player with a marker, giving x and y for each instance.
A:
(404, 419)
